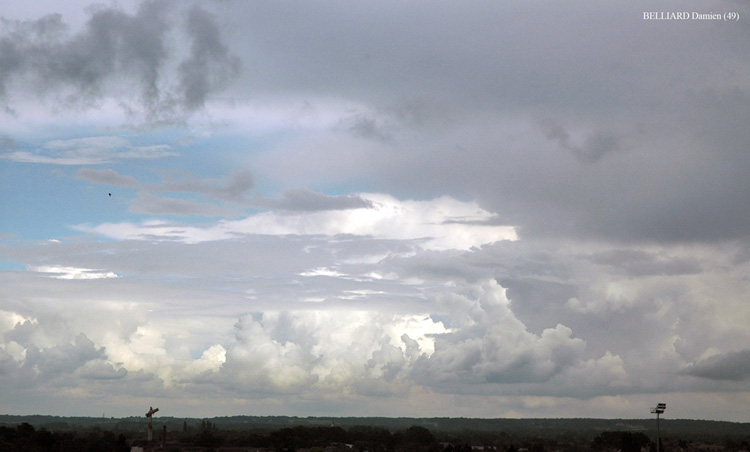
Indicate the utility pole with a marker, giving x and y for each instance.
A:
(149, 415)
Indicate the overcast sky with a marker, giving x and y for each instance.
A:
(392, 208)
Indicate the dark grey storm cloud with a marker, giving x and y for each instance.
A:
(592, 149)
(564, 122)
(366, 127)
(641, 263)
(115, 53)
(210, 64)
(728, 366)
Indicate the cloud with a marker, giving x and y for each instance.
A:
(492, 346)
(604, 375)
(117, 54)
(107, 177)
(431, 222)
(209, 65)
(450, 212)
(51, 358)
(658, 165)
(41, 365)
(366, 126)
(640, 263)
(591, 150)
(100, 370)
(423, 321)
(211, 193)
(89, 151)
(325, 350)
(210, 361)
(59, 272)
(236, 188)
(731, 366)
(156, 205)
(306, 200)
(233, 188)
(310, 351)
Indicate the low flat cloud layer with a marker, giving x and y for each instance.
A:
(392, 209)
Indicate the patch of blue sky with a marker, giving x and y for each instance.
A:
(209, 156)
(43, 197)
(42, 202)
(6, 266)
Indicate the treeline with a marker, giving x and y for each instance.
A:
(362, 438)
(685, 428)
(26, 438)
(208, 436)
(374, 439)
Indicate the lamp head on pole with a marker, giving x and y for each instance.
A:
(659, 408)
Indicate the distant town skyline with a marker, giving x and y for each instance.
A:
(319, 208)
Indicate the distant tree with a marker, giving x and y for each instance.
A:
(731, 445)
(284, 439)
(45, 439)
(652, 446)
(416, 439)
(26, 429)
(419, 435)
(207, 438)
(121, 445)
(623, 441)
(373, 439)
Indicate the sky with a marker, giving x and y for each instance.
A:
(380, 208)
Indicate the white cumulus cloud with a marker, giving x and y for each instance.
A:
(442, 223)
(62, 272)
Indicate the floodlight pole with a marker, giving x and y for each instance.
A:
(659, 409)
(658, 436)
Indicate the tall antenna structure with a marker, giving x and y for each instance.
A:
(149, 415)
